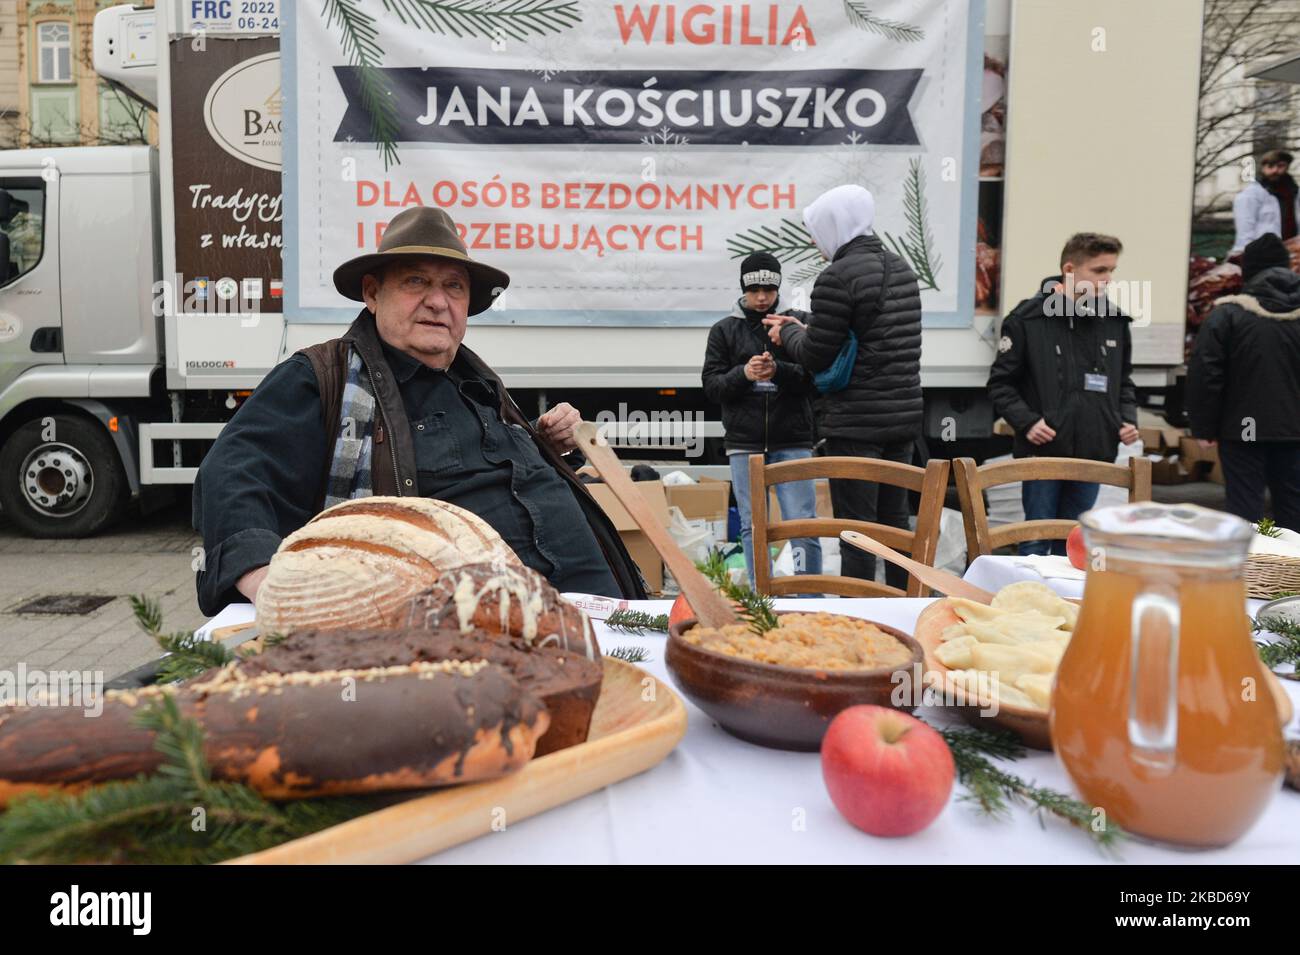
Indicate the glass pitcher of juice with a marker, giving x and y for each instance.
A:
(1161, 711)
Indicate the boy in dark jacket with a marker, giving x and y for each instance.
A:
(1243, 385)
(765, 404)
(1063, 378)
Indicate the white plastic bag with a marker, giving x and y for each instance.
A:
(695, 538)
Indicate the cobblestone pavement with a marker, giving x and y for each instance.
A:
(150, 555)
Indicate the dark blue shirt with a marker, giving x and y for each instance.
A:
(264, 475)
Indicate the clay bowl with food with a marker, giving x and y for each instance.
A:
(789, 707)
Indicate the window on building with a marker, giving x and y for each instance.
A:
(54, 52)
(22, 226)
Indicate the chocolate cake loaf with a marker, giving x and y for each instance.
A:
(511, 600)
(566, 682)
(291, 735)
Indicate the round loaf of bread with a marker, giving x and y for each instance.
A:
(359, 563)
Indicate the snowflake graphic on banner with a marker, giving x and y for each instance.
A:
(547, 61)
(666, 145)
(852, 161)
(635, 274)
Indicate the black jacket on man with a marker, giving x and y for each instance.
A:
(1245, 370)
(757, 416)
(882, 402)
(1048, 353)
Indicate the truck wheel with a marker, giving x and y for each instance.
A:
(71, 485)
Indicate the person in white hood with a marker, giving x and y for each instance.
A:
(871, 293)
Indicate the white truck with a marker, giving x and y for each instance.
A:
(146, 291)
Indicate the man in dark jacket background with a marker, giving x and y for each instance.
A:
(1243, 385)
(1063, 378)
(873, 293)
(765, 404)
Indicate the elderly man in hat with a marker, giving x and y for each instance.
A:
(398, 406)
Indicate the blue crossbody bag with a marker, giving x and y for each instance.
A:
(836, 377)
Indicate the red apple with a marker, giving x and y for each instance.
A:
(887, 773)
(681, 611)
(1075, 550)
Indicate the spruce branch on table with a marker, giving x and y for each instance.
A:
(993, 790)
(1267, 528)
(155, 819)
(756, 609)
(630, 654)
(186, 656)
(1285, 649)
(636, 621)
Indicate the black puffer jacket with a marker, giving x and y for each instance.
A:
(1244, 375)
(755, 417)
(1043, 356)
(882, 402)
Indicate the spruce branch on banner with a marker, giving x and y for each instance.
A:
(808, 272)
(792, 243)
(488, 19)
(917, 246)
(359, 41)
(861, 17)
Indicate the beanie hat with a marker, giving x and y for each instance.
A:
(760, 268)
(1266, 252)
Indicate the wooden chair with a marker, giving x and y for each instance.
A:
(920, 544)
(973, 481)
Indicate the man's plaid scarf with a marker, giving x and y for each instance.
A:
(350, 465)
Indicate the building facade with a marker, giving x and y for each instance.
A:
(61, 101)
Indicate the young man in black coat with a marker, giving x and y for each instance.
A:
(1063, 378)
(765, 404)
(1243, 385)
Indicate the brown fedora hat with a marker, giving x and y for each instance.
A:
(423, 231)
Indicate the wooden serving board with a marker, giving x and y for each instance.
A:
(629, 734)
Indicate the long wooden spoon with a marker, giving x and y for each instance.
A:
(709, 606)
(932, 577)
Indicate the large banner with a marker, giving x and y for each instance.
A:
(618, 160)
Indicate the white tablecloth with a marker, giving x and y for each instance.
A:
(718, 799)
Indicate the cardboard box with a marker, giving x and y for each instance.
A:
(706, 501)
(1158, 436)
(638, 545)
(1198, 461)
(1168, 470)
